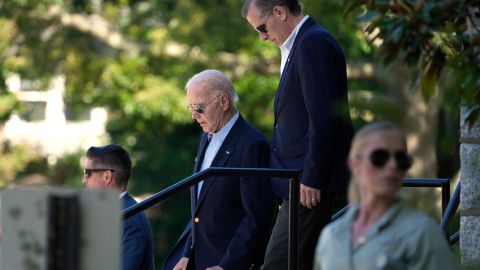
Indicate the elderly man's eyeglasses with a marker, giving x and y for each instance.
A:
(380, 157)
(88, 172)
(199, 108)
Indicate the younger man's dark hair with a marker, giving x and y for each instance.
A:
(112, 157)
(266, 6)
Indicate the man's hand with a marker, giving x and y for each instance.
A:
(215, 268)
(182, 264)
(309, 197)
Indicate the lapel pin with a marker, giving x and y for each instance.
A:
(227, 152)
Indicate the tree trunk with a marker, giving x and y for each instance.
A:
(470, 193)
(410, 111)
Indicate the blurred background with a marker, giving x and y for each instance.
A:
(77, 73)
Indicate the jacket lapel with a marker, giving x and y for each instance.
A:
(201, 153)
(308, 23)
(221, 158)
(198, 164)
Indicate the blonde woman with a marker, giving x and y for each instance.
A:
(379, 231)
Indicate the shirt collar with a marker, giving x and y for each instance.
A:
(350, 215)
(288, 43)
(122, 194)
(222, 133)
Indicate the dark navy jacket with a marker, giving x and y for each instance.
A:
(312, 129)
(137, 240)
(232, 215)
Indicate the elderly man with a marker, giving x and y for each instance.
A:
(109, 167)
(230, 215)
(312, 128)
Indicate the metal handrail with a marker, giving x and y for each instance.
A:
(340, 213)
(450, 213)
(444, 184)
(451, 208)
(454, 238)
(449, 205)
(292, 175)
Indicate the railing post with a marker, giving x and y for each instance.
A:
(450, 212)
(293, 224)
(445, 195)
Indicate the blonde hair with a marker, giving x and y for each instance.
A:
(358, 143)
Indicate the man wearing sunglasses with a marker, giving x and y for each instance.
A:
(230, 215)
(312, 126)
(109, 167)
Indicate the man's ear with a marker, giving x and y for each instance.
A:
(281, 12)
(224, 102)
(108, 177)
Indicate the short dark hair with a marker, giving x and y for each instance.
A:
(266, 6)
(112, 157)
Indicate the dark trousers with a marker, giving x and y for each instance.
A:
(310, 224)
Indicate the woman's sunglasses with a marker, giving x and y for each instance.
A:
(380, 157)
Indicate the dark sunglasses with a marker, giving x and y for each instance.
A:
(380, 157)
(262, 28)
(199, 108)
(88, 172)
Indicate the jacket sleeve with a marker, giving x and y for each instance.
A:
(321, 71)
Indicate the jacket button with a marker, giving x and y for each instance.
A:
(197, 220)
(275, 149)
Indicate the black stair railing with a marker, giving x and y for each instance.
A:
(449, 205)
(292, 175)
(450, 213)
(444, 184)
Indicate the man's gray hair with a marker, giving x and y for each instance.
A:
(266, 6)
(216, 82)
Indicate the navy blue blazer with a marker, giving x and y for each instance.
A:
(137, 240)
(232, 215)
(312, 129)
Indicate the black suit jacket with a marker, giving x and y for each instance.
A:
(312, 130)
(232, 215)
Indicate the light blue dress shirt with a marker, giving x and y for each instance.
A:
(215, 143)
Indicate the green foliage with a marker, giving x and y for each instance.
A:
(428, 36)
(134, 58)
(14, 160)
(8, 103)
(343, 28)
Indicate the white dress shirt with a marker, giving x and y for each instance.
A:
(215, 142)
(286, 47)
